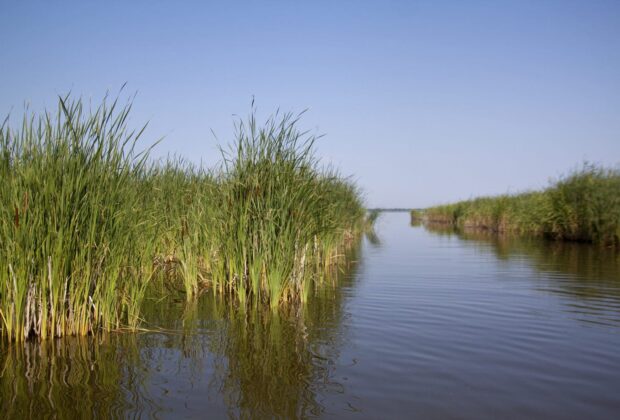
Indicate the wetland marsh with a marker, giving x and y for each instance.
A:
(432, 323)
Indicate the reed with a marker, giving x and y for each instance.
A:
(87, 222)
(279, 218)
(70, 223)
(582, 206)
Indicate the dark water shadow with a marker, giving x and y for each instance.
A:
(210, 356)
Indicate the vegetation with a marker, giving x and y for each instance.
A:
(417, 217)
(87, 222)
(76, 248)
(583, 206)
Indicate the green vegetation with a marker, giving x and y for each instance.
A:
(87, 222)
(417, 217)
(76, 249)
(583, 206)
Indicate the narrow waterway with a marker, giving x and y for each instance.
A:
(422, 324)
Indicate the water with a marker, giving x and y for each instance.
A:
(426, 324)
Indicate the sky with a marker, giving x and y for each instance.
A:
(420, 102)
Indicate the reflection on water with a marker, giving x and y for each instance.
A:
(206, 357)
(74, 377)
(577, 270)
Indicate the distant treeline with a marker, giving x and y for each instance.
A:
(390, 209)
(583, 206)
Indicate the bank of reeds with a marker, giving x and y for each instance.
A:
(76, 249)
(86, 222)
(280, 219)
(583, 206)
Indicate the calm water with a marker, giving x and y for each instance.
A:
(425, 324)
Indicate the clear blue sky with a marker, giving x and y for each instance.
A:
(422, 101)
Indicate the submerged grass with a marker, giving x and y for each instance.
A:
(86, 222)
(583, 206)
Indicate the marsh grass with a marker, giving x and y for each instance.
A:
(279, 218)
(87, 223)
(583, 206)
(70, 222)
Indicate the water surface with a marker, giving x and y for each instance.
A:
(425, 323)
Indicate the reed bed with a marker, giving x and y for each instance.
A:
(87, 223)
(76, 248)
(582, 206)
(280, 220)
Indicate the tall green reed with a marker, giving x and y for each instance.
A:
(70, 223)
(278, 214)
(87, 222)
